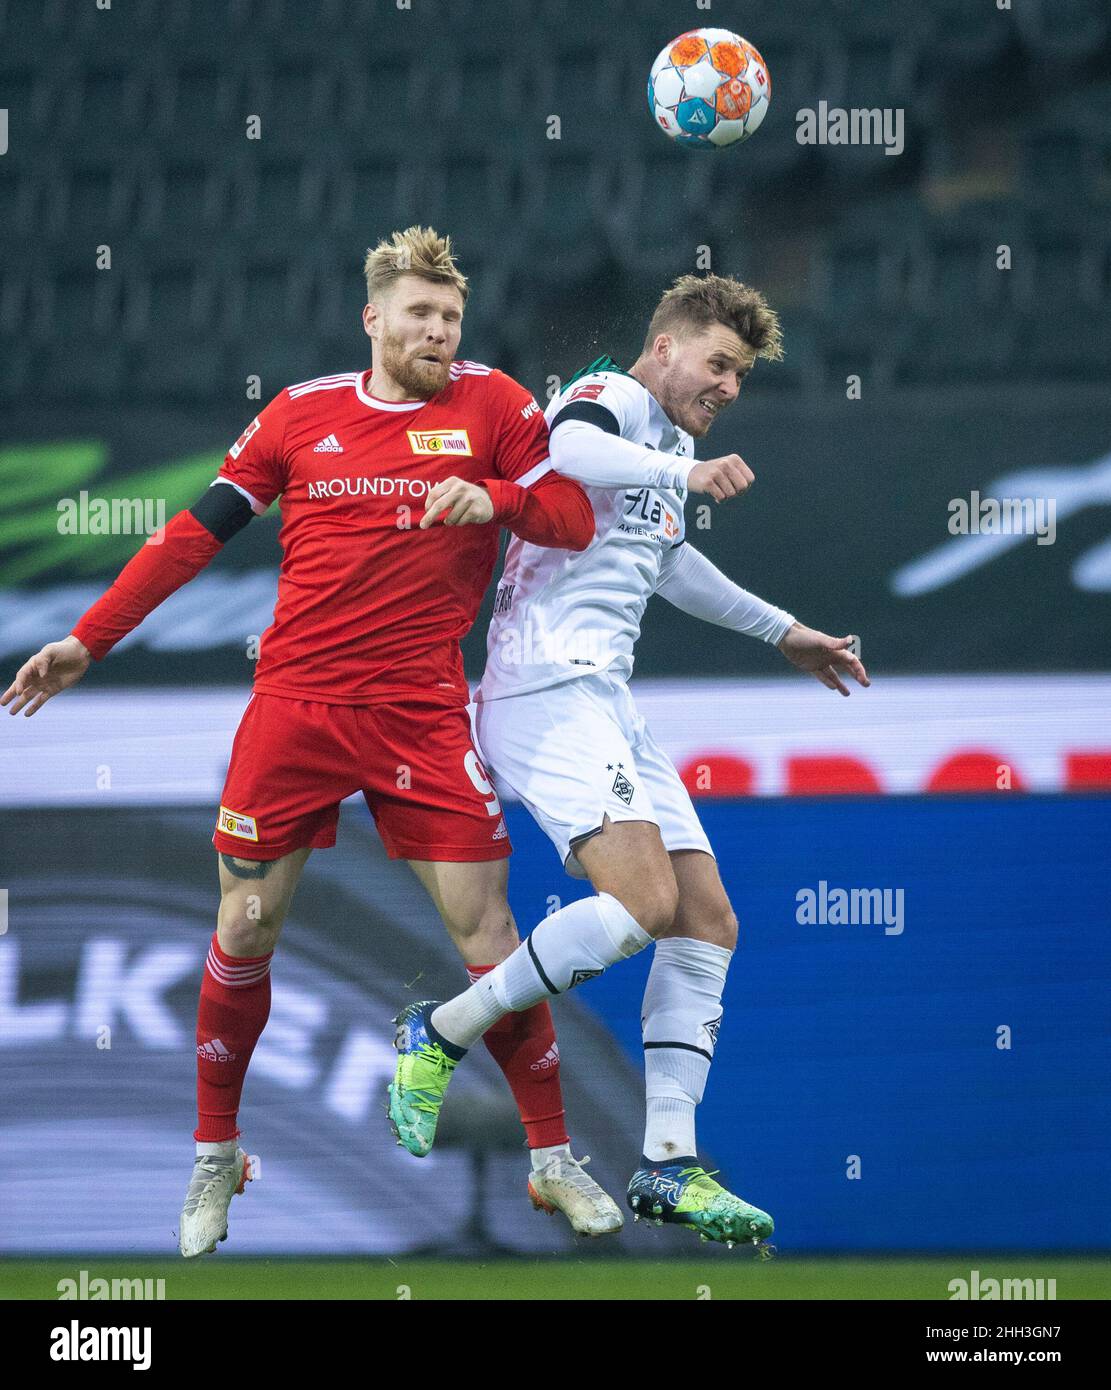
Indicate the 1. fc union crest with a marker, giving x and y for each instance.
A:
(440, 443)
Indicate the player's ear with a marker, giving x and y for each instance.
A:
(370, 320)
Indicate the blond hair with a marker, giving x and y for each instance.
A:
(696, 301)
(415, 251)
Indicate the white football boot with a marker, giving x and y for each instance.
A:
(204, 1218)
(561, 1185)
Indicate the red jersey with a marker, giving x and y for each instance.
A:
(369, 606)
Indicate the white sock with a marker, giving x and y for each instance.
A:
(540, 1157)
(572, 945)
(679, 1020)
(222, 1148)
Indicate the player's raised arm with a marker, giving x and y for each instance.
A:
(588, 450)
(249, 480)
(696, 586)
(587, 444)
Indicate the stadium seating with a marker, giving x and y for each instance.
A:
(222, 240)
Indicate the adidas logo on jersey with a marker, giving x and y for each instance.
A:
(549, 1060)
(331, 445)
(215, 1051)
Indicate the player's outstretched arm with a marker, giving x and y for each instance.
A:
(695, 585)
(169, 559)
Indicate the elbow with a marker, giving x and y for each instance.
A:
(583, 531)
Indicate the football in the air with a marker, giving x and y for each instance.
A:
(709, 87)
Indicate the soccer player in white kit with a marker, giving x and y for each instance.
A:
(559, 728)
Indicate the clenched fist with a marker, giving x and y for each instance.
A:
(465, 504)
(722, 478)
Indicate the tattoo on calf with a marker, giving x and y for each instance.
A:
(246, 868)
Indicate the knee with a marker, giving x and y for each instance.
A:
(716, 924)
(247, 925)
(725, 929)
(653, 904)
(489, 930)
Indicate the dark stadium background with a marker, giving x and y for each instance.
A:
(235, 259)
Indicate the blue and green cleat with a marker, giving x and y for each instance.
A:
(683, 1194)
(424, 1067)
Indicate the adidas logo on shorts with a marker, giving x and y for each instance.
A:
(501, 832)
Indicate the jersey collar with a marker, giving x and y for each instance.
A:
(376, 404)
(600, 364)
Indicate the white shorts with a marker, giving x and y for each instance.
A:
(579, 751)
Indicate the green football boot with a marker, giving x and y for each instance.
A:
(683, 1194)
(424, 1067)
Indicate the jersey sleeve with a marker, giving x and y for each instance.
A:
(255, 465)
(609, 400)
(519, 432)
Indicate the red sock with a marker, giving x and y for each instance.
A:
(524, 1046)
(233, 1009)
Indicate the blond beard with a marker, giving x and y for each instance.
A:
(419, 380)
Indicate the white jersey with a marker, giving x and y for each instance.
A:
(560, 614)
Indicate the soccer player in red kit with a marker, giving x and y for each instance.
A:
(393, 484)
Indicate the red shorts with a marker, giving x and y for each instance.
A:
(294, 761)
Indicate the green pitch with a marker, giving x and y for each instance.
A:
(717, 1277)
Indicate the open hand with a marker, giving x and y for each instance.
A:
(823, 656)
(57, 666)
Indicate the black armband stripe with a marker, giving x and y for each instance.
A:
(223, 511)
(683, 1047)
(591, 412)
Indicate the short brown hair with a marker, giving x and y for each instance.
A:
(699, 300)
(415, 251)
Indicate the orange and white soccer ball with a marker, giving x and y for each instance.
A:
(709, 88)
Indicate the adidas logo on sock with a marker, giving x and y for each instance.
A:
(215, 1051)
(331, 445)
(549, 1060)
